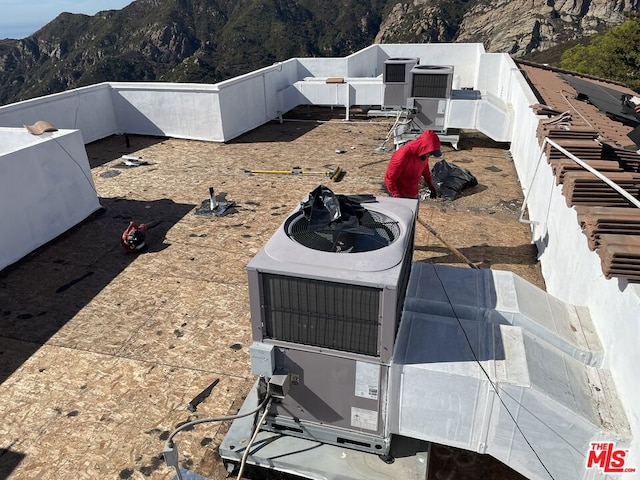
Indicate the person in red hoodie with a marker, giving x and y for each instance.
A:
(411, 162)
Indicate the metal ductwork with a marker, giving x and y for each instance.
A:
(487, 362)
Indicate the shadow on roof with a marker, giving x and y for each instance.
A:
(485, 256)
(9, 461)
(62, 277)
(274, 132)
(307, 118)
(99, 155)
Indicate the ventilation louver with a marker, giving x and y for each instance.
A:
(430, 94)
(431, 81)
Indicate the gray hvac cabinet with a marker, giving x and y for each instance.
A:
(396, 80)
(431, 87)
(325, 309)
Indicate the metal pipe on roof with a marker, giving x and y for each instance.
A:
(302, 120)
(589, 168)
(521, 219)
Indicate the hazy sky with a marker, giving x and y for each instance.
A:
(21, 18)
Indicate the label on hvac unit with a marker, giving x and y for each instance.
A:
(367, 380)
(362, 418)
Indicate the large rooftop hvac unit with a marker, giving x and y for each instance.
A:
(396, 79)
(325, 308)
(430, 93)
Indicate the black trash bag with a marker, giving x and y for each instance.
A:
(342, 223)
(323, 208)
(452, 179)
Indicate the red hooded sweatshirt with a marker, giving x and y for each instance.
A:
(406, 167)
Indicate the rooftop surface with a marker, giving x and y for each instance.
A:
(102, 351)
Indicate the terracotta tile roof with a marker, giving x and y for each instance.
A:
(600, 139)
(557, 93)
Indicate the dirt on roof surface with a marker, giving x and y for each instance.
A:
(102, 350)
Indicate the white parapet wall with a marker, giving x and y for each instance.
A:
(88, 109)
(45, 188)
(465, 58)
(223, 111)
(168, 110)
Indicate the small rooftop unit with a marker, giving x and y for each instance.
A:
(325, 308)
(396, 79)
(429, 95)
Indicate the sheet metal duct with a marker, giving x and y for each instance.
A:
(487, 362)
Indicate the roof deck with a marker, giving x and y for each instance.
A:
(104, 350)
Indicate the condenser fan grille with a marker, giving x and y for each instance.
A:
(373, 231)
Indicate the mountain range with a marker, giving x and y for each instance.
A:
(207, 41)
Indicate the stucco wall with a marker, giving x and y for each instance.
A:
(45, 188)
(168, 109)
(89, 109)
